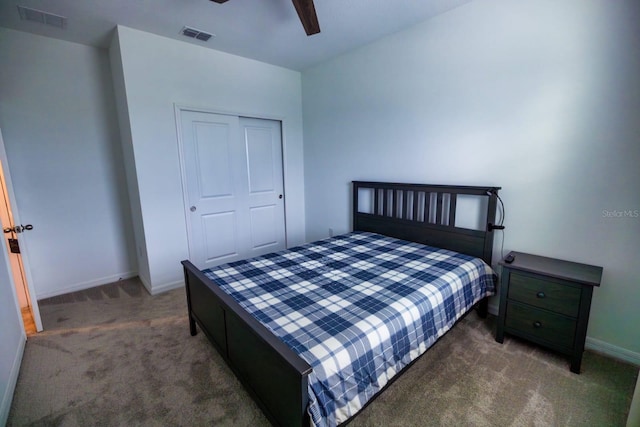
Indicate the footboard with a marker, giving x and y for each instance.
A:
(272, 373)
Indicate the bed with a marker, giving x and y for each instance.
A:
(412, 267)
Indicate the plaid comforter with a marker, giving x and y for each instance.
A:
(357, 307)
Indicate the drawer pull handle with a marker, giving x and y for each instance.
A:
(537, 324)
(540, 295)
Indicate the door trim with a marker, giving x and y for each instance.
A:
(178, 110)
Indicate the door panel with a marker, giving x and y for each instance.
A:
(213, 154)
(260, 159)
(20, 265)
(263, 142)
(220, 236)
(264, 226)
(214, 211)
(234, 186)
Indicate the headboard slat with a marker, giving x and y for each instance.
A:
(415, 205)
(405, 204)
(385, 202)
(427, 206)
(452, 209)
(376, 201)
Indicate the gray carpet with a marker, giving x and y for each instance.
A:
(114, 355)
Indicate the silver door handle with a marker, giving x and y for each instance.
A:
(192, 208)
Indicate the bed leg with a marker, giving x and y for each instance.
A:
(192, 322)
(483, 308)
(192, 326)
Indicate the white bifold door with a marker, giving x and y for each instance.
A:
(234, 187)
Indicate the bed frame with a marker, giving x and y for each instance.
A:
(274, 375)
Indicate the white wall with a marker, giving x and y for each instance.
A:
(57, 114)
(12, 337)
(540, 97)
(156, 74)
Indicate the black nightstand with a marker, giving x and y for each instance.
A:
(547, 301)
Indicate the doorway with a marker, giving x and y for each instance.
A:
(16, 248)
(233, 182)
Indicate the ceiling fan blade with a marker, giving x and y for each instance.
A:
(307, 13)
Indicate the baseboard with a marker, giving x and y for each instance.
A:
(612, 351)
(87, 285)
(146, 284)
(155, 290)
(7, 397)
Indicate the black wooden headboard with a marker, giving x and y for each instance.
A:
(428, 214)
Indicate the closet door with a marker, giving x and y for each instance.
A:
(262, 142)
(234, 187)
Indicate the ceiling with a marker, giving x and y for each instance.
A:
(265, 30)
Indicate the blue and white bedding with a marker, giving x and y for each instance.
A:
(357, 307)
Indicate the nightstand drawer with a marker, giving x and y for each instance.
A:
(539, 324)
(556, 297)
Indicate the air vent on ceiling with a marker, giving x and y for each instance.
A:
(196, 34)
(28, 14)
